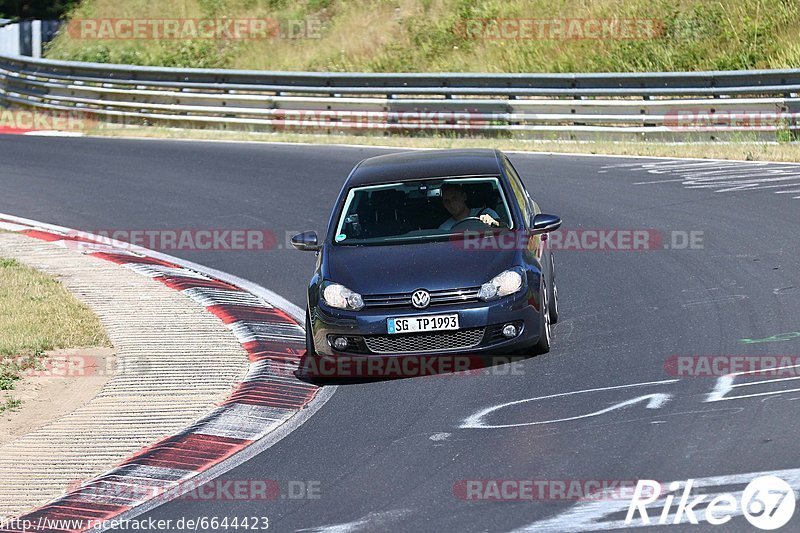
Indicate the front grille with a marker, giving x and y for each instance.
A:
(424, 342)
(448, 296)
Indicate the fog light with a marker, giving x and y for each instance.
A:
(509, 330)
(340, 343)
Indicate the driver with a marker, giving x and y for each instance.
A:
(454, 199)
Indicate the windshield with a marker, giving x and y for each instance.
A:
(421, 210)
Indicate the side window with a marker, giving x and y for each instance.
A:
(520, 193)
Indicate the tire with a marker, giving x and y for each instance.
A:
(310, 362)
(543, 345)
(310, 350)
(553, 307)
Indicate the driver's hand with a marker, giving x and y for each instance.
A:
(489, 221)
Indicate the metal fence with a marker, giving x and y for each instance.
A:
(648, 106)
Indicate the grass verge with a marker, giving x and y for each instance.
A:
(447, 35)
(38, 314)
(746, 151)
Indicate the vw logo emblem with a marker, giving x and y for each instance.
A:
(420, 299)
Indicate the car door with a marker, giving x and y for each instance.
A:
(529, 208)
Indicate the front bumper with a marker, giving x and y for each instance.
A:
(480, 323)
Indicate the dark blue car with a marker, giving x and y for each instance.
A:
(432, 252)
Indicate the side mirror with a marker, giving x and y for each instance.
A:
(306, 241)
(542, 223)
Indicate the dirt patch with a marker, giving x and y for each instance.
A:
(68, 380)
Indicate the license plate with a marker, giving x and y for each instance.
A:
(413, 324)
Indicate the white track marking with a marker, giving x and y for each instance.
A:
(246, 332)
(589, 516)
(715, 301)
(158, 271)
(654, 401)
(53, 133)
(657, 181)
(375, 521)
(721, 176)
(726, 384)
(12, 227)
(208, 297)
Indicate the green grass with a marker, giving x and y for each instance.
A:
(7, 380)
(423, 35)
(10, 404)
(38, 314)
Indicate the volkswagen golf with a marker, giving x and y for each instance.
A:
(432, 252)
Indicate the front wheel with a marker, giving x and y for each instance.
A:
(309, 363)
(543, 345)
(553, 308)
(310, 350)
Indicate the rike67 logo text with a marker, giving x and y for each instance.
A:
(767, 502)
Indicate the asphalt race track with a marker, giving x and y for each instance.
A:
(397, 454)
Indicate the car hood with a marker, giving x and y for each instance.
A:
(407, 267)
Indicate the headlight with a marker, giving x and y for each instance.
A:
(341, 297)
(501, 285)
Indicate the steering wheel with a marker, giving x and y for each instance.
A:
(475, 223)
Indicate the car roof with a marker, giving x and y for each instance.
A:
(425, 164)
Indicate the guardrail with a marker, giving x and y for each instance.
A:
(649, 106)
